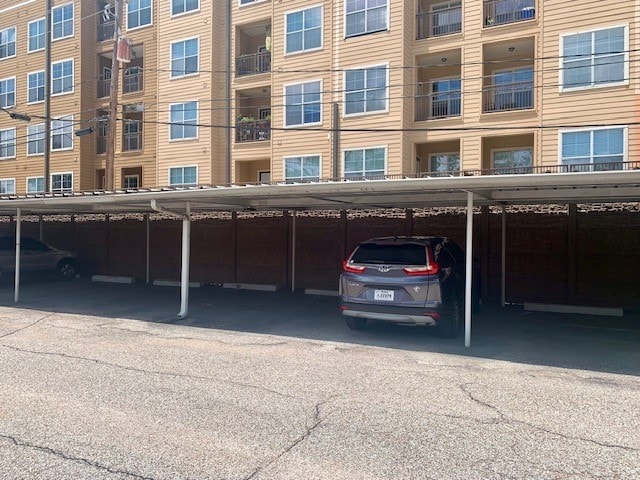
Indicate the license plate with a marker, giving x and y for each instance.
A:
(386, 295)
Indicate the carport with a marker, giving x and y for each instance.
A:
(391, 192)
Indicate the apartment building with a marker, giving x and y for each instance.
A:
(372, 87)
(267, 90)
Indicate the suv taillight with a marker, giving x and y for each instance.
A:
(351, 268)
(428, 270)
(431, 268)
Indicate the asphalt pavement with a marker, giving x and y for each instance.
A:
(103, 382)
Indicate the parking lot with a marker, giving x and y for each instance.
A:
(102, 381)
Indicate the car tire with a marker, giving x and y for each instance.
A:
(450, 324)
(356, 323)
(67, 269)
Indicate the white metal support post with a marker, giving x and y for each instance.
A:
(184, 279)
(503, 258)
(293, 252)
(468, 272)
(16, 294)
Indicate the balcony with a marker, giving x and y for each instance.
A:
(438, 99)
(513, 94)
(105, 31)
(442, 19)
(104, 88)
(132, 80)
(253, 131)
(253, 63)
(502, 12)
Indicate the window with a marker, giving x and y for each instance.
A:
(302, 169)
(184, 57)
(446, 18)
(8, 143)
(62, 77)
(36, 35)
(35, 87)
(594, 58)
(8, 185)
(183, 119)
(444, 162)
(366, 90)
(62, 182)
(35, 184)
(183, 6)
(8, 42)
(585, 150)
(7, 92)
(304, 30)
(367, 162)
(302, 104)
(131, 181)
(62, 21)
(101, 133)
(35, 139)
(445, 98)
(513, 161)
(365, 16)
(138, 13)
(183, 176)
(62, 133)
(132, 135)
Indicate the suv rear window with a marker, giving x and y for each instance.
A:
(407, 254)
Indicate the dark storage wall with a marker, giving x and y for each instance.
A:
(571, 256)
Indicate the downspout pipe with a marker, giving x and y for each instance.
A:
(186, 251)
(16, 293)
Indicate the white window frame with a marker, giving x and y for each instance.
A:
(62, 189)
(126, 16)
(432, 94)
(43, 35)
(366, 31)
(11, 181)
(63, 131)
(133, 175)
(172, 73)
(625, 80)
(183, 123)
(284, 96)
(344, 89)
(625, 142)
(249, 2)
(37, 139)
(15, 41)
(183, 184)
(304, 50)
(34, 191)
(8, 105)
(8, 145)
(73, 74)
(73, 14)
(302, 157)
(363, 149)
(30, 102)
(186, 12)
(448, 154)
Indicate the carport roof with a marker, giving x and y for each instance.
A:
(406, 192)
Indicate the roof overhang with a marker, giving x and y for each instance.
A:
(577, 187)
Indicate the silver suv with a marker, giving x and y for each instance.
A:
(36, 256)
(408, 280)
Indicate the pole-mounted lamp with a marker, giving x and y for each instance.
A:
(16, 115)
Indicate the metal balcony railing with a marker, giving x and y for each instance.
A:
(132, 137)
(507, 96)
(441, 22)
(538, 169)
(104, 88)
(105, 31)
(257, 131)
(253, 63)
(500, 12)
(132, 80)
(437, 105)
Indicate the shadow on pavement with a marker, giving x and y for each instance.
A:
(604, 344)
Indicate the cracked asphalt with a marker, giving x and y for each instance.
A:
(101, 382)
